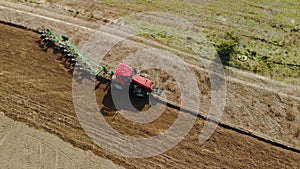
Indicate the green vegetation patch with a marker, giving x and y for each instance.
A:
(268, 31)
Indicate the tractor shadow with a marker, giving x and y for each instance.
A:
(134, 104)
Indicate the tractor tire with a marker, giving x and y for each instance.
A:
(139, 92)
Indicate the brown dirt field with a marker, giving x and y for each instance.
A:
(254, 103)
(36, 89)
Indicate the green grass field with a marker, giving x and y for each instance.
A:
(269, 30)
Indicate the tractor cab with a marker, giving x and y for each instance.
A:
(127, 78)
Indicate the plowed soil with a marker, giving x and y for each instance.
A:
(36, 90)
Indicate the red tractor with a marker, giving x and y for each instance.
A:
(139, 84)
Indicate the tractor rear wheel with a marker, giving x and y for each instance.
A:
(139, 92)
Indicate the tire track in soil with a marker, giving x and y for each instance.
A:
(5, 134)
(50, 147)
(172, 158)
(27, 149)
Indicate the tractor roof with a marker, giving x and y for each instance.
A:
(123, 70)
(143, 82)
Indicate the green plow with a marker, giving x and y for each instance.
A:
(71, 53)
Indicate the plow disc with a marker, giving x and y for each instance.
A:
(71, 53)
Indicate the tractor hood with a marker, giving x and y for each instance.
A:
(123, 70)
(143, 82)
